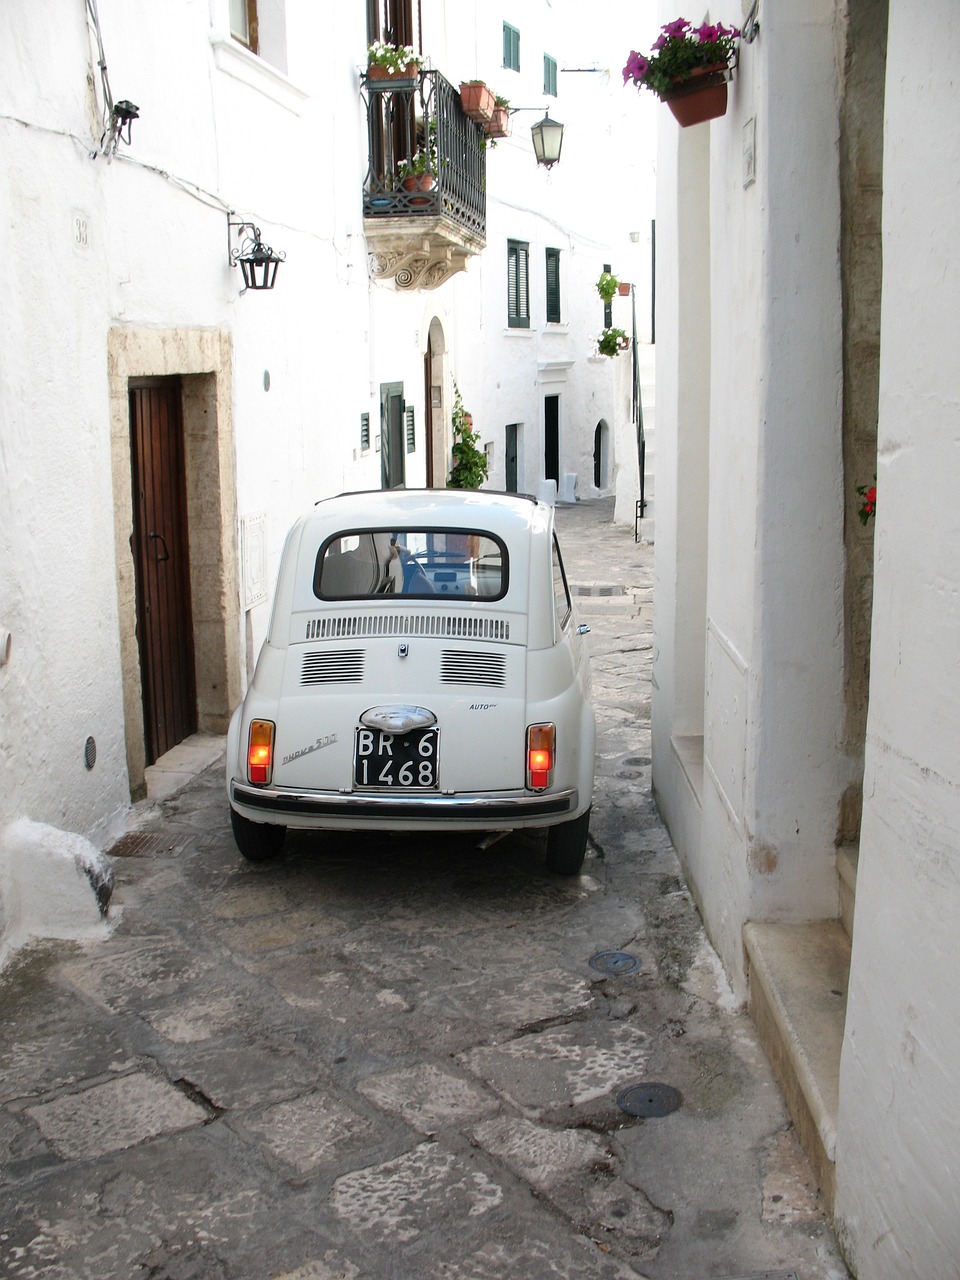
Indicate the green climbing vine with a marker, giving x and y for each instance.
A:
(469, 461)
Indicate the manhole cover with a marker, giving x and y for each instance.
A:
(614, 962)
(649, 1099)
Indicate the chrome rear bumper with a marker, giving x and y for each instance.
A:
(469, 809)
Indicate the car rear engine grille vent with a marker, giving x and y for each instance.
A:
(335, 666)
(460, 666)
(466, 626)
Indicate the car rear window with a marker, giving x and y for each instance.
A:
(360, 563)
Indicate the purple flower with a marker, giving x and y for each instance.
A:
(658, 44)
(676, 29)
(708, 34)
(636, 67)
(732, 32)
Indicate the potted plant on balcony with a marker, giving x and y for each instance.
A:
(392, 61)
(688, 69)
(419, 171)
(612, 341)
(499, 124)
(477, 101)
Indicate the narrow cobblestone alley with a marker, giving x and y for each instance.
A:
(393, 1059)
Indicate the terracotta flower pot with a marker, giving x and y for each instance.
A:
(701, 96)
(478, 101)
(499, 126)
(623, 290)
(376, 72)
(419, 182)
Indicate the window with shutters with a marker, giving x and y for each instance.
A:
(549, 75)
(364, 432)
(553, 286)
(607, 306)
(394, 22)
(511, 47)
(518, 284)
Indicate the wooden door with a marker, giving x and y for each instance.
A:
(162, 560)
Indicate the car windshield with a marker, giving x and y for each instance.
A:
(359, 563)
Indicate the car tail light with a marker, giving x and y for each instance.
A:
(541, 755)
(260, 751)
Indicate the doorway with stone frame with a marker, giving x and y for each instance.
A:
(201, 360)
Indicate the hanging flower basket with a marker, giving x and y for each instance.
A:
(700, 97)
(688, 69)
(478, 101)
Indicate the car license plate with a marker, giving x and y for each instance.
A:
(398, 761)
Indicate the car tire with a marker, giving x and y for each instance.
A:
(257, 841)
(567, 845)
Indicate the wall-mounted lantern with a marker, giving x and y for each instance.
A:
(547, 140)
(258, 262)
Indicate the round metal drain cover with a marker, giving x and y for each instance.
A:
(614, 962)
(649, 1099)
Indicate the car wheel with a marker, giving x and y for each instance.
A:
(567, 845)
(257, 841)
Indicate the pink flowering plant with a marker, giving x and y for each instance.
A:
(679, 51)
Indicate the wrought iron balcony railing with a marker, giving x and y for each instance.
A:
(426, 174)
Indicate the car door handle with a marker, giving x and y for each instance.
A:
(166, 553)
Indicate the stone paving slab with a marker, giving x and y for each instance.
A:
(389, 1058)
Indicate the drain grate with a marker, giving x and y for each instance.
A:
(649, 1099)
(144, 844)
(597, 591)
(615, 962)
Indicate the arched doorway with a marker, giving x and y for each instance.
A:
(601, 455)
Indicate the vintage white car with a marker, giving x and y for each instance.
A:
(424, 670)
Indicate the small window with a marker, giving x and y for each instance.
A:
(364, 431)
(511, 47)
(243, 22)
(518, 284)
(410, 428)
(455, 563)
(261, 26)
(607, 306)
(561, 592)
(549, 75)
(553, 286)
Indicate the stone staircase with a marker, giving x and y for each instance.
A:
(798, 977)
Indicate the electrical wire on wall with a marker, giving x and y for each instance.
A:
(115, 116)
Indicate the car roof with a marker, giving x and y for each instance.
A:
(471, 508)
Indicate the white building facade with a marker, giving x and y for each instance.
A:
(805, 741)
(160, 431)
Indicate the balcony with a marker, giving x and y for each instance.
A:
(424, 196)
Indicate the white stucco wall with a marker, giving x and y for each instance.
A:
(898, 1196)
(748, 591)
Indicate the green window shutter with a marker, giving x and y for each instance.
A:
(511, 47)
(410, 430)
(607, 306)
(518, 284)
(553, 286)
(364, 431)
(549, 75)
